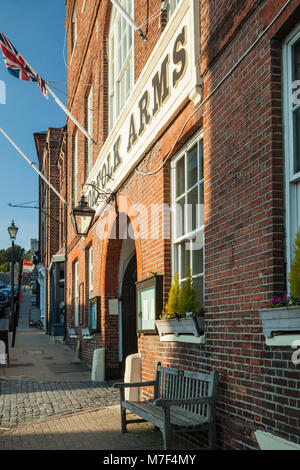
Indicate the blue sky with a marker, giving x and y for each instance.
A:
(36, 29)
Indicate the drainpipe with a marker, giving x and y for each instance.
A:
(65, 226)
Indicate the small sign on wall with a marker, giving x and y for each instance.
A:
(94, 313)
(149, 303)
(113, 306)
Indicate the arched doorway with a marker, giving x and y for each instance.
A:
(128, 299)
(121, 268)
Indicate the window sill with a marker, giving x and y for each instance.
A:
(183, 339)
(283, 340)
(281, 321)
(267, 441)
(86, 334)
(295, 178)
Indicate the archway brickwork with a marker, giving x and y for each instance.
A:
(111, 251)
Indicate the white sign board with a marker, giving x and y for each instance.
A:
(169, 80)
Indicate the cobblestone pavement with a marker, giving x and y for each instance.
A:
(23, 402)
(48, 401)
(93, 430)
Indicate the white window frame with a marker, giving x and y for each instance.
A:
(89, 103)
(188, 235)
(116, 70)
(91, 271)
(76, 295)
(292, 180)
(172, 5)
(75, 168)
(73, 39)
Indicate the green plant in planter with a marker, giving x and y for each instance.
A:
(294, 276)
(182, 302)
(172, 307)
(188, 304)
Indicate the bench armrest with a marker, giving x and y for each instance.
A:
(134, 384)
(166, 403)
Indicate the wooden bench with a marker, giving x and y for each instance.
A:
(182, 401)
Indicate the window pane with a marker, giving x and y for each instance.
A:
(184, 258)
(176, 258)
(192, 167)
(90, 129)
(90, 272)
(296, 60)
(180, 173)
(197, 257)
(119, 29)
(121, 78)
(198, 284)
(127, 82)
(119, 63)
(201, 170)
(129, 38)
(179, 217)
(75, 169)
(201, 195)
(76, 280)
(172, 5)
(93, 316)
(192, 209)
(296, 133)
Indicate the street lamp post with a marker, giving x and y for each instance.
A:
(12, 230)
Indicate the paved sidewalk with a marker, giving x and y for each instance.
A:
(44, 379)
(36, 357)
(48, 401)
(24, 402)
(94, 430)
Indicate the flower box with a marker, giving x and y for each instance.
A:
(181, 326)
(281, 319)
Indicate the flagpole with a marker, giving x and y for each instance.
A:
(34, 167)
(54, 96)
(69, 114)
(128, 18)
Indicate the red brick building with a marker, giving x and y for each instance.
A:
(198, 112)
(51, 150)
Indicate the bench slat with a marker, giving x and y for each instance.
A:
(187, 373)
(180, 418)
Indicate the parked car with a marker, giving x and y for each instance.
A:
(15, 290)
(7, 293)
(3, 302)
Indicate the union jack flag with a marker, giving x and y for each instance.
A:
(17, 65)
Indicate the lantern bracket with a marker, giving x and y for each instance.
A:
(105, 195)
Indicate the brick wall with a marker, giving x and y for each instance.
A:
(48, 146)
(244, 209)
